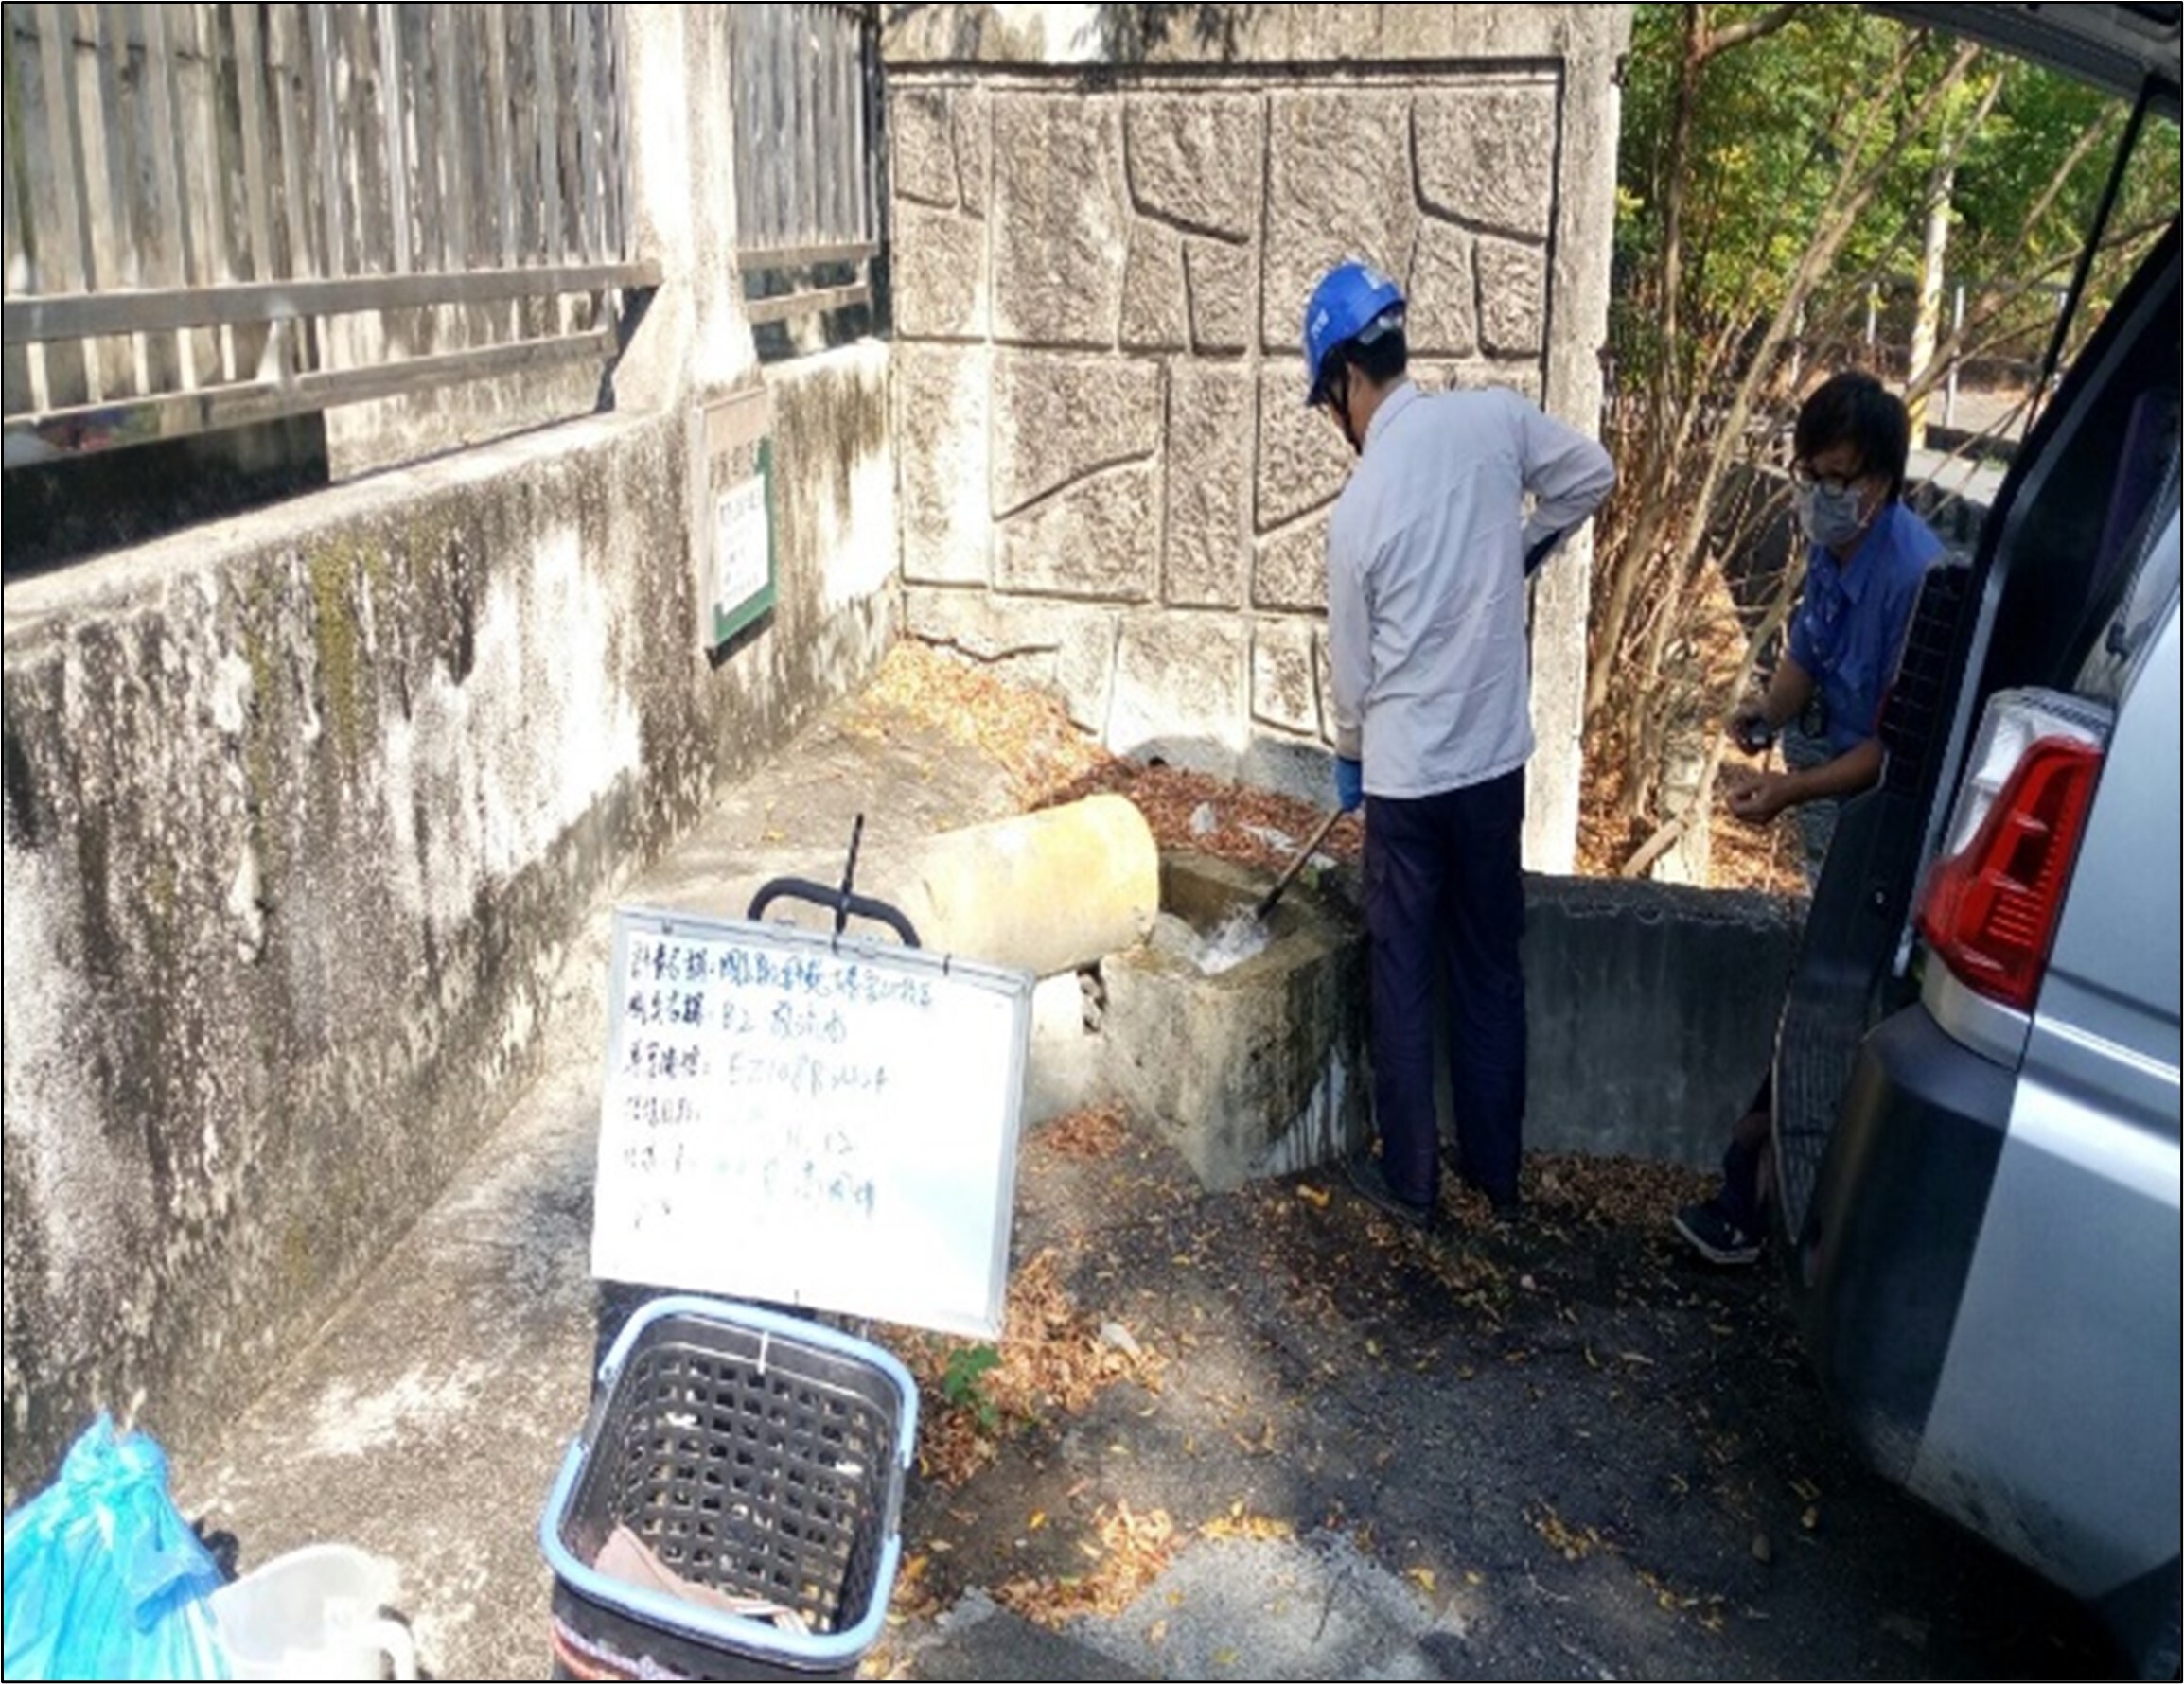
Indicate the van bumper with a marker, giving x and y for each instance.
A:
(1879, 1266)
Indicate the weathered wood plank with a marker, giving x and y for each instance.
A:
(123, 364)
(39, 318)
(177, 262)
(16, 388)
(500, 127)
(618, 232)
(326, 125)
(459, 159)
(289, 52)
(547, 92)
(208, 158)
(363, 144)
(392, 83)
(811, 301)
(583, 20)
(284, 40)
(64, 247)
(173, 415)
(250, 68)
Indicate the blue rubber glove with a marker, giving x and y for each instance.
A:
(1349, 783)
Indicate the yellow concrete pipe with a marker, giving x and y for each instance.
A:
(1044, 892)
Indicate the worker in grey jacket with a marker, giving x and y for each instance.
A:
(1428, 552)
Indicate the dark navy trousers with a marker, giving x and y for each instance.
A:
(1445, 903)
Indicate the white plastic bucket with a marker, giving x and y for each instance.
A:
(314, 1613)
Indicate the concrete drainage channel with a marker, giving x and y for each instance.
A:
(1651, 1005)
(1249, 1069)
(1255, 1069)
(1639, 1048)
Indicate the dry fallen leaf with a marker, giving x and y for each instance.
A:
(1252, 1528)
(1052, 1358)
(1133, 1549)
(1094, 1134)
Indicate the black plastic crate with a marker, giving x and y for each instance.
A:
(756, 1455)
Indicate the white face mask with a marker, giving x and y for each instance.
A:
(1831, 517)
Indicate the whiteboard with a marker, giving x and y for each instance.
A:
(828, 1123)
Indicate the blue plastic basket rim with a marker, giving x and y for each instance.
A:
(736, 1632)
(739, 1632)
(770, 1322)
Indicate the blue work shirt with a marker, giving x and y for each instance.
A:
(1849, 630)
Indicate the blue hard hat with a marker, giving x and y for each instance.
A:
(1351, 299)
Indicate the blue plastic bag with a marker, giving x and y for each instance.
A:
(104, 1580)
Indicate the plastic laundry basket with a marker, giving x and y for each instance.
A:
(753, 1453)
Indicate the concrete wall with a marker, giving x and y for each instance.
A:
(302, 807)
(1652, 1010)
(1106, 221)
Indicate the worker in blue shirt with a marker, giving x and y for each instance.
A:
(1428, 551)
(1867, 557)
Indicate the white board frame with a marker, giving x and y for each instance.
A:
(833, 1102)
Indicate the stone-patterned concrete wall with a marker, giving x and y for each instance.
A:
(1108, 479)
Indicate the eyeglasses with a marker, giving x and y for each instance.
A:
(1802, 476)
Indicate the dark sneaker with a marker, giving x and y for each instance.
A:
(1708, 1231)
(1372, 1187)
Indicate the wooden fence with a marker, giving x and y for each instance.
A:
(807, 156)
(220, 213)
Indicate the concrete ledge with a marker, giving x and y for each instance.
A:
(302, 810)
(1653, 1012)
(1652, 1009)
(1255, 1071)
(1063, 36)
(299, 810)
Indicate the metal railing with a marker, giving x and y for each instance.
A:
(223, 214)
(808, 174)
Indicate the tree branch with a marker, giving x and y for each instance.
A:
(1739, 35)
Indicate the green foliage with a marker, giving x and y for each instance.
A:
(963, 1384)
(1784, 171)
(1777, 121)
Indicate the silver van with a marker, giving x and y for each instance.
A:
(1976, 1078)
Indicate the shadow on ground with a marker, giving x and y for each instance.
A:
(1560, 1448)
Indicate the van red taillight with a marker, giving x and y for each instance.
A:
(1990, 909)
